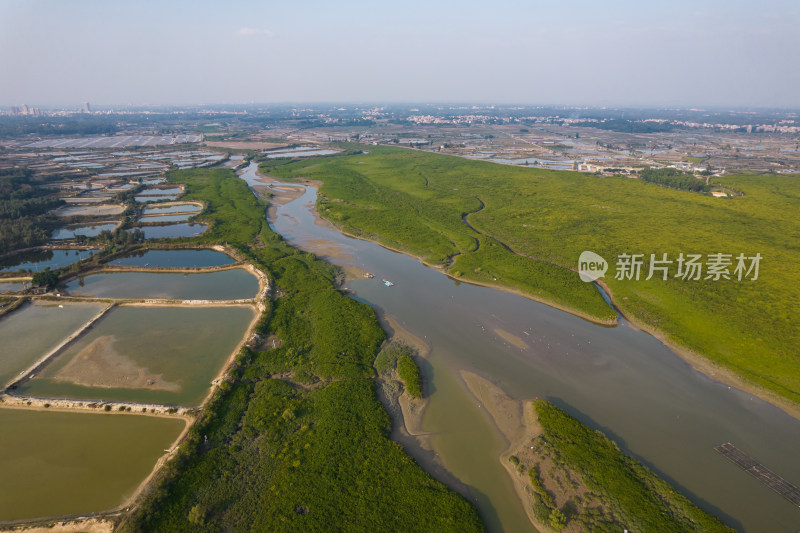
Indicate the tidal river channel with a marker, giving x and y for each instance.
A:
(619, 380)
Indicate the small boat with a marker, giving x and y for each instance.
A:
(369, 275)
(387, 283)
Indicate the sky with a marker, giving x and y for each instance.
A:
(573, 52)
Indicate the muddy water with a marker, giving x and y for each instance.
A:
(165, 355)
(157, 209)
(71, 463)
(619, 380)
(30, 332)
(160, 219)
(232, 284)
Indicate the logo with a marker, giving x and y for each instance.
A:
(591, 266)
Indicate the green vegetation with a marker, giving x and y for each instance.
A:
(23, 210)
(527, 227)
(630, 126)
(395, 360)
(622, 492)
(269, 454)
(235, 215)
(409, 373)
(46, 278)
(386, 361)
(16, 127)
(674, 179)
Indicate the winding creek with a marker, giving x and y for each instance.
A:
(620, 380)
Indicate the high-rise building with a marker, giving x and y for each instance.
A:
(25, 110)
(86, 108)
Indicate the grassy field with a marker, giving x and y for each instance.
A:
(524, 229)
(295, 439)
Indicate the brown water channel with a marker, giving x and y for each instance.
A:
(619, 380)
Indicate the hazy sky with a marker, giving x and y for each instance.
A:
(670, 52)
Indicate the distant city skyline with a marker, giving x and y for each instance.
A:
(616, 53)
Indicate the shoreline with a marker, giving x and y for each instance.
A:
(575, 312)
(516, 421)
(707, 367)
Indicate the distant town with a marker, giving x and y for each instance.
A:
(586, 139)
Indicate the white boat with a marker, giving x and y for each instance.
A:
(387, 283)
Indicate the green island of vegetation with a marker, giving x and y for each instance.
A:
(523, 229)
(674, 179)
(408, 371)
(597, 487)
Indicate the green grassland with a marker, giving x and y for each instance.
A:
(525, 229)
(622, 493)
(295, 439)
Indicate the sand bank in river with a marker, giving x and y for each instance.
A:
(516, 420)
(511, 339)
(408, 411)
(413, 409)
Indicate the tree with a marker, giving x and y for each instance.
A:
(47, 278)
(197, 515)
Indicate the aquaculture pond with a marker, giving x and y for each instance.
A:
(160, 219)
(12, 286)
(166, 355)
(31, 331)
(174, 231)
(162, 198)
(156, 192)
(39, 260)
(87, 230)
(157, 209)
(175, 259)
(234, 284)
(89, 210)
(76, 463)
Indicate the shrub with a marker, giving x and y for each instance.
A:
(409, 373)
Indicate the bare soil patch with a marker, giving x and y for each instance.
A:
(100, 365)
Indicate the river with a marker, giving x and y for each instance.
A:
(619, 380)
